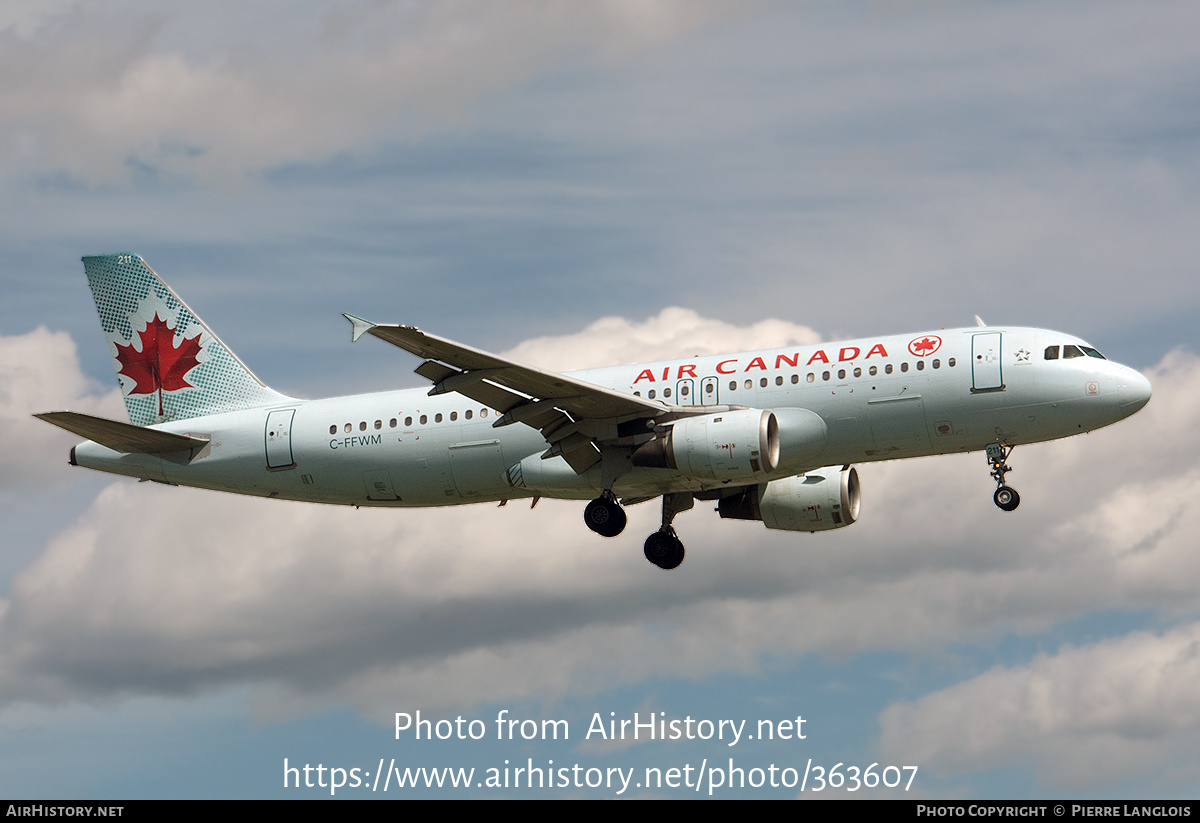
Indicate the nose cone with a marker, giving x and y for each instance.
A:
(1133, 392)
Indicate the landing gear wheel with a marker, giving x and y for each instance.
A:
(605, 517)
(1006, 498)
(664, 549)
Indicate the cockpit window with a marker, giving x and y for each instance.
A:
(1090, 352)
(1071, 351)
(1052, 352)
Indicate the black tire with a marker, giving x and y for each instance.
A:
(605, 517)
(1006, 498)
(664, 550)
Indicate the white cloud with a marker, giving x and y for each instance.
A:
(98, 92)
(1085, 717)
(672, 333)
(39, 371)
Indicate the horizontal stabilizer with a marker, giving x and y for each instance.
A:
(122, 437)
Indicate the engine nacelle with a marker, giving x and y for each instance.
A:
(733, 445)
(822, 499)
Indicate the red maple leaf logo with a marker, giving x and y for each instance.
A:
(160, 365)
(925, 345)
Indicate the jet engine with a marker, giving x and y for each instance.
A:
(819, 500)
(732, 445)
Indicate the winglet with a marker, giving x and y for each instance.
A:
(361, 326)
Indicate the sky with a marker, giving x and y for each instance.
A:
(574, 185)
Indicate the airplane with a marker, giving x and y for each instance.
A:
(765, 435)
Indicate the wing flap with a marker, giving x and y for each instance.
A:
(122, 437)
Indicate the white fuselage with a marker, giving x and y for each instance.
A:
(879, 399)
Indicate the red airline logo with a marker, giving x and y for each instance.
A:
(924, 346)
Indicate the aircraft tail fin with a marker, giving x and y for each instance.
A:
(169, 363)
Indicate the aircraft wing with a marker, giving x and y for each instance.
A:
(571, 414)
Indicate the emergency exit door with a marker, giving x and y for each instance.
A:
(279, 439)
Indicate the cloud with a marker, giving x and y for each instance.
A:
(672, 333)
(1085, 717)
(39, 371)
(102, 95)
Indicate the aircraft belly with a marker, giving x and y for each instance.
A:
(478, 469)
(898, 426)
(142, 466)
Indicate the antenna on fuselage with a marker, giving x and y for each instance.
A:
(979, 322)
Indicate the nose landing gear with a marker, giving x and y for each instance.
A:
(1005, 497)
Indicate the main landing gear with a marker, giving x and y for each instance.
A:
(1005, 497)
(605, 516)
(663, 548)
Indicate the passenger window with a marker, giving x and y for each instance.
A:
(888, 368)
(763, 383)
(437, 418)
(1071, 351)
(378, 424)
(1052, 352)
(392, 423)
(666, 392)
(950, 362)
(874, 370)
(349, 427)
(467, 414)
(811, 377)
(824, 375)
(408, 422)
(637, 394)
(937, 364)
(733, 385)
(683, 390)
(795, 379)
(483, 412)
(651, 395)
(858, 372)
(333, 429)
(920, 365)
(453, 416)
(904, 366)
(779, 380)
(749, 384)
(424, 419)
(362, 427)
(841, 374)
